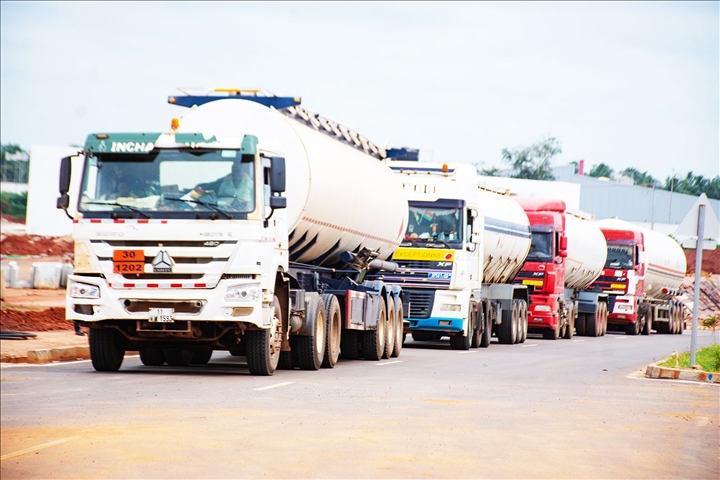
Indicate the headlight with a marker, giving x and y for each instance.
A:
(249, 293)
(83, 290)
(542, 308)
(449, 307)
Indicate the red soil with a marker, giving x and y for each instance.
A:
(52, 318)
(710, 261)
(34, 245)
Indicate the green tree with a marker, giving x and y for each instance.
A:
(533, 162)
(601, 170)
(640, 178)
(13, 164)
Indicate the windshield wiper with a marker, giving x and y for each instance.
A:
(116, 204)
(204, 204)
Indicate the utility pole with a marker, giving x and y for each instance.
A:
(696, 292)
(672, 185)
(652, 211)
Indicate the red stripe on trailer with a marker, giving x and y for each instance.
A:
(200, 285)
(153, 285)
(119, 220)
(143, 221)
(75, 220)
(176, 285)
(128, 285)
(95, 220)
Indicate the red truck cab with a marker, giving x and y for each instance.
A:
(544, 268)
(623, 277)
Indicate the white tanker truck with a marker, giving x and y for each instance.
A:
(642, 275)
(192, 241)
(463, 246)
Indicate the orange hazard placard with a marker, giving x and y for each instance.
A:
(128, 261)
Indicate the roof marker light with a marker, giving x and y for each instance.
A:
(175, 124)
(445, 168)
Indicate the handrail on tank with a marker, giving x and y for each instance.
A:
(580, 214)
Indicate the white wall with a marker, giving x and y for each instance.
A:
(43, 218)
(12, 187)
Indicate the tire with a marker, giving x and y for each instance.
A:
(593, 322)
(462, 341)
(524, 320)
(152, 357)
(399, 333)
(374, 340)
(424, 336)
(263, 346)
(107, 349)
(333, 330)
(486, 336)
(506, 330)
(550, 334)
(580, 324)
(647, 327)
(604, 308)
(517, 320)
(178, 357)
(570, 330)
(349, 345)
(310, 350)
(287, 359)
(201, 357)
(389, 329)
(632, 328)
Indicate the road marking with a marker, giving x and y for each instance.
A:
(37, 447)
(621, 338)
(388, 363)
(578, 340)
(273, 386)
(5, 365)
(529, 345)
(469, 351)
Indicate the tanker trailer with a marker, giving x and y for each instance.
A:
(211, 248)
(567, 254)
(462, 247)
(642, 275)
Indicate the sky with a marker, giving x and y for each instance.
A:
(621, 83)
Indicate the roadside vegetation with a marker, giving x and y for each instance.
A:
(708, 358)
(14, 205)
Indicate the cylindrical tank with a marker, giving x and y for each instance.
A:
(506, 236)
(665, 263)
(586, 252)
(338, 198)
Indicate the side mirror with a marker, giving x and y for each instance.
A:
(563, 245)
(277, 174)
(640, 257)
(562, 254)
(278, 202)
(63, 202)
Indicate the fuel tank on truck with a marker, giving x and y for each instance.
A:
(338, 197)
(665, 263)
(506, 236)
(586, 252)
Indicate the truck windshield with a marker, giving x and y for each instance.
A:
(541, 247)
(434, 225)
(170, 183)
(619, 256)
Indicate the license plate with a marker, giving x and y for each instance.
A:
(161, 315)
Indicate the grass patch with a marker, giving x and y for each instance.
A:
(708, 358)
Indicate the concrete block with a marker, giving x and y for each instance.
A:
(2, 283)
(64, 272)
(43, 355)
(46, 275)
(63, 354)
(83, 352)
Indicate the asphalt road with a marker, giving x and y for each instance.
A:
(546, 409)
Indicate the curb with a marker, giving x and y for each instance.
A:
(655, 371)
(57, 354)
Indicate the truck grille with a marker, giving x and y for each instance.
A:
(421, 303)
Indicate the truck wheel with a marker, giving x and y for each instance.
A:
(423, 336)
(580, 324)
(152, 357)
(311, 349)
(523, 313)
(592, 323)
(550, 334)
(570, 330)
(389, 329)
(518, 322)
(178, 357)
(201, 357)
(349, 346)
(632, 328)
(605, 318)
(333, 330)
(487, 333)
(462, 341)
(561, 330)
(107, 349)
(263, 346)
(506, 332)
(287, 359)
(647, 327)
(374, 340)
(399, 333)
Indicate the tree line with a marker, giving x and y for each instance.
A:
(535, 162)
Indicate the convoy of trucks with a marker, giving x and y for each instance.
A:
(260, 228)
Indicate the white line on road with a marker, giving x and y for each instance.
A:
(578, 340)
(469, 351)
(388, 363)
(37, 447)
(273, 386)
(34, 365)
(621, 338)
(529, 345)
